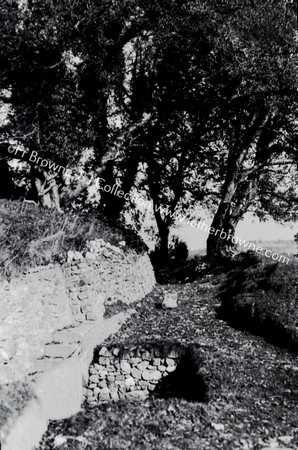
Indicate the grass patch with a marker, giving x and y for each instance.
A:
(41, 236)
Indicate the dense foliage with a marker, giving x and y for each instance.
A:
(192, 103)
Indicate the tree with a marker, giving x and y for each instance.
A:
(259, 115)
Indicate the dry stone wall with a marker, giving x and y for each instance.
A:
(50, 298)
(131, 373)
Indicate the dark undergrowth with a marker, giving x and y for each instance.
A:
(262, 298)
(181, 271)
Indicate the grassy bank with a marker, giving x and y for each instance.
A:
(263, 298)
(38, 236)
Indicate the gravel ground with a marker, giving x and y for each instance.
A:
(252, 388)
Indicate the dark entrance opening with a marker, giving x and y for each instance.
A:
(185, 382)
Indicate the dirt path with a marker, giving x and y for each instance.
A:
(253, 388)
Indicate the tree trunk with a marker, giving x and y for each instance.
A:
(220, 246)
(164, 232)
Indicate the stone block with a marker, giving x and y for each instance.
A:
(119, 377)
(143, 365)
(156, 375)
(104, 352)
(162, 368)
(96, 391)
(59, 350)
(66, 336)
(102, 360)
(114, 395)
(138, 395)
(136, 373)
(156, 362)
(102, 374)
(171, 369)
(135, 360)
(170, 362)
(94, 379)
(43, 365)
(104, 396)
(125, 367)
(170, 300)
(129, 382)
(100, 367)
(146, 375)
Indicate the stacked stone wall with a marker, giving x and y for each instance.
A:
(131, 373)
(50, 298)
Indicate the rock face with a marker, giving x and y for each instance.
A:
(50, 298)
(130, 373)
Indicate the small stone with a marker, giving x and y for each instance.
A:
(150, 367)
(156, 375)
(116, 351)
(125, 367)
(138, 395)
(170, 362)
(156, 362)
(129, 382)
(104, 352)
(102, 374)
(102, 360)
(143, 365)
(162, 368)
(96, 391)
(120, 377)
(104, 394)
(146, 375)
(136, 373)
(135, 360)
(88, 392)
(94, 378)
(218, 426)
(114, 396)
(171, 369)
